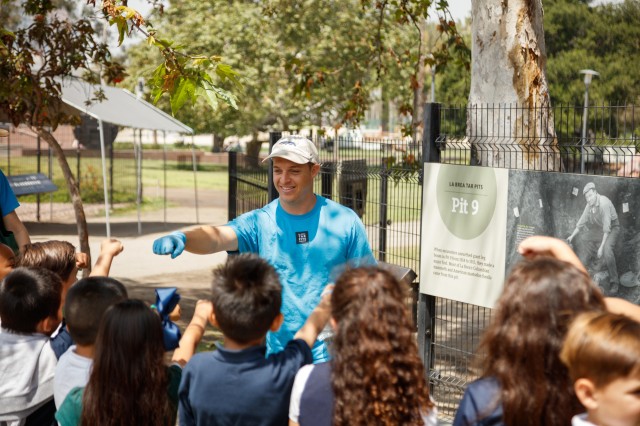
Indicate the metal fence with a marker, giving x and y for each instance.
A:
(604, 141)
(133, 173)
(381, 180)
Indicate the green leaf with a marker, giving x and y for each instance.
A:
(122, 29)
(208, 95)
(225, 72)
(183, 90)
(156, 92)
(219, 93)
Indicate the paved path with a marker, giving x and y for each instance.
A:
(137, 267)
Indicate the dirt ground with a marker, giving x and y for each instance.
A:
(137, 267)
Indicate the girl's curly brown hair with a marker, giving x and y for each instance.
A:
(377, 374)
(522, 344)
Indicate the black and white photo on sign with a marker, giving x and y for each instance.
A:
(597, 215)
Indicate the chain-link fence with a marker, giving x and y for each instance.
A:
(134, 173)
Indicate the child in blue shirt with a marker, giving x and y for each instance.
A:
(237, 383)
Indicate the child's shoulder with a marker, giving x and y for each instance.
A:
(201, 360)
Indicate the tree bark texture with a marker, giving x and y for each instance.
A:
(509, 119)
(72, 186)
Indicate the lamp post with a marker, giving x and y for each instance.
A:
(588, 75)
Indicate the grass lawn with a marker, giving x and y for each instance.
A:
(154, 176)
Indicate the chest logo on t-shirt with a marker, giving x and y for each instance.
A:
(302, 237)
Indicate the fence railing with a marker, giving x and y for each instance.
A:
(128, 171)
(559, 139)
(381, 179)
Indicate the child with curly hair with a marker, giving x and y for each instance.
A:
(523, 381)
(376, 375)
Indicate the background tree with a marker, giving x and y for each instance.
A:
(508, 68)
(47, 44)
(304, 62)
(603, 38)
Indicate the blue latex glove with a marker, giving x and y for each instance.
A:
(172, 244)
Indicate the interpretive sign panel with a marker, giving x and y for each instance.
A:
(475, 217)
(36, 183)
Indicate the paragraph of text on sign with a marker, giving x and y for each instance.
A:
(452, 264)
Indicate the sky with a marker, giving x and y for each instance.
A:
(460, 9)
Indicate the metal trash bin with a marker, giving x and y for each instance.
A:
(353, 185)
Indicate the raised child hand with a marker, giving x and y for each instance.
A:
(82, 260)
(111, 247)
(204, 309)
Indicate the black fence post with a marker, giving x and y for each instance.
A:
(384, 200)
(273, 194)
(233, 185)
(327, 171)
(427, 303)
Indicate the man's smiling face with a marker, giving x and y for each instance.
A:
(294, 183)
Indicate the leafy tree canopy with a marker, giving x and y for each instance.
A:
(304, 62)
(604, 38)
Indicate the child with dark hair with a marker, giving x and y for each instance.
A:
(523, 381)
(250, 388)
(376, 375)
(61, 258)
(85, 304)
(129, 382)
(30, 310)
(602, 353)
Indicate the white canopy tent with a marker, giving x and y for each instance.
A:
(122, 108)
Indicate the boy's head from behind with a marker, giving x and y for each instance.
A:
(602, 354)
(86, 302)
(30, 301)
(246, 296)
(56, 256)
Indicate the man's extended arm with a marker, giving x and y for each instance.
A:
(203, 240)
(580, 224)
(211, 239)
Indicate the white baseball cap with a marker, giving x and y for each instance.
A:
(295, 148)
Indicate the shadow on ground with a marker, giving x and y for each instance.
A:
(98, 230)
(189, 295)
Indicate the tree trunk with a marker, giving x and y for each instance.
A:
(509, 120)
(417, 84)
(253, 151)
(72, 186)
(217, 142)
